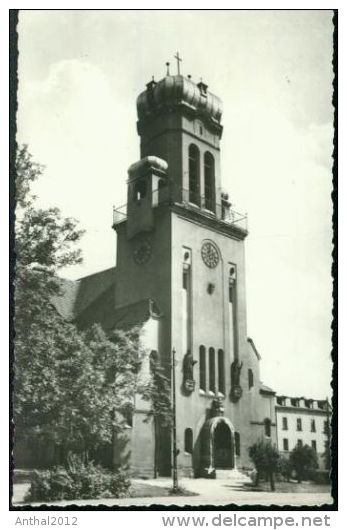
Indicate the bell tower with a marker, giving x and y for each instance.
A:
(180, 245)
(179, 122)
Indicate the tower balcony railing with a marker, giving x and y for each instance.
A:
(221, 211)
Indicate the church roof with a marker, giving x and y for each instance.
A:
(91, 300)
(79, 294)
(178, 90)
(253, 347)
(264, 389)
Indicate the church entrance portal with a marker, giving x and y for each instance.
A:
(223, 447)
(217, 446)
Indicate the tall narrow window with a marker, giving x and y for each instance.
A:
(209, 181)
(298, 424)
(250, 379)
(212, 370)
(313, 426)
(188, 441)
(267, 427)
(285, 444)
(314, 445)
(139, 189)
(186, 300)
(221, 372)
(232, 312)
(194, 174)
(237, 444)
(202, 367)
(285, 424)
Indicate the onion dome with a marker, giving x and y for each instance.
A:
(149, 162)
(177, 91)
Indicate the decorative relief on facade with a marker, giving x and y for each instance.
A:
(217, 408)
(188, 372)
(236, 389)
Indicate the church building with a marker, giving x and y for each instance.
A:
(181, 269)
(180, 274)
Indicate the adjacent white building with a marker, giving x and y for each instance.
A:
(302, 421)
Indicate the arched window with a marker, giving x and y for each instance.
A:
(194, 174)
(209, 181)
(250, 379)
(139, 189)
(188, 441)
(212, 370)
(221, 372)
(202, 367)
(237, 444)
(267, 427)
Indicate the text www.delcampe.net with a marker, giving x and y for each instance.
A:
(235, 520)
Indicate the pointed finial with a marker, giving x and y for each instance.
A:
(179, 59)
(167, 68)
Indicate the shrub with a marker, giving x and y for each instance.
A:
(320, 476)
(284, 468)
(303, 460)
(78, 480)
(265, 458)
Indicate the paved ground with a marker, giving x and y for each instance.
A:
(218, 492)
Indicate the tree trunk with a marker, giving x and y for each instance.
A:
(272, 482)
(256, 483)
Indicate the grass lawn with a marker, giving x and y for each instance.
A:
(293, 487)
(148, 490)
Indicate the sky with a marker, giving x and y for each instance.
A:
(79, 75)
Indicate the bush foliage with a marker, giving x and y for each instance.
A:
(77, 480)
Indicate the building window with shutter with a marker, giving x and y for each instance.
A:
(285, 424)
(298, 424)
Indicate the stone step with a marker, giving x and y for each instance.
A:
(233, 475)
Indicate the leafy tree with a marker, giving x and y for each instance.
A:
(303, 460)
(74, 387)
(43, 244)
(265, 458)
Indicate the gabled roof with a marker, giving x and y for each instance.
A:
(253, 348)
(264, 389)
(78, 295)
(91, 300)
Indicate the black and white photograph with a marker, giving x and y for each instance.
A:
(172, 295)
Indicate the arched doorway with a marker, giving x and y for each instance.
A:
(223, 447)
(217, 446)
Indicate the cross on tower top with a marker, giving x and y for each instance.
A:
(178, 59)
